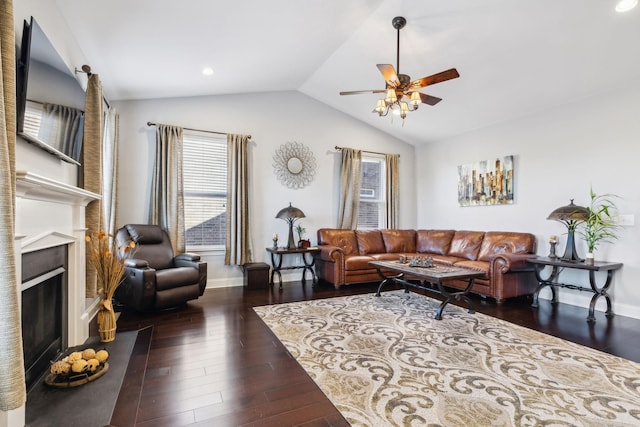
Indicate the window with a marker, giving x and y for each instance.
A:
(205, 190)
(372, 193)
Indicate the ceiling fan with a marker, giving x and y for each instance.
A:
(399, 86)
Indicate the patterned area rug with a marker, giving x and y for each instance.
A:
(385, 361)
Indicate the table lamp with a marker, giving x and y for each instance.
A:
(570, 215)
(290, 214)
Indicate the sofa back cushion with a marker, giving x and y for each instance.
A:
(370, 242)
(466, 244)
(434, 241)
(344, 239)
(399, 241)
(496, 242)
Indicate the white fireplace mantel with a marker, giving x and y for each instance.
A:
(36, 187)
(50, 213)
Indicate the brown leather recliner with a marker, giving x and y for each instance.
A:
(154, 277)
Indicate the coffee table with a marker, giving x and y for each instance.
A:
(436, 275)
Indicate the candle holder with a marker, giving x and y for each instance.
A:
(552, 249)
(275, 243)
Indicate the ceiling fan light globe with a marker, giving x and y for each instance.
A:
(391, 97)
(415, 99)
(404, 108)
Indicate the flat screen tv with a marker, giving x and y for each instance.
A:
(50, 100)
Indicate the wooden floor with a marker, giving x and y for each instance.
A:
(214, 362)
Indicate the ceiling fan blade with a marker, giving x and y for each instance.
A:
(357, 92)
(428, 99)
(435, 78)
(389, 74)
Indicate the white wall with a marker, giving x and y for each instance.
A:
(559, 154)
(272, 119)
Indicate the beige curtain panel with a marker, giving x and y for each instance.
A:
(350, 182)
(167, 191)
(238, 247)
(393, 189)
(111, 141)
(12, 384)
(92, 167)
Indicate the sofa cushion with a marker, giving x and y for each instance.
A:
(370, 242)
(496, 242)
(466, 244)
(358, 262)
(474, 265)
(399, 241)
(385, 257)
(343, 239)
(434, 241)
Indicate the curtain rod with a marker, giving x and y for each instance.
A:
(197, 130)
(364, 151)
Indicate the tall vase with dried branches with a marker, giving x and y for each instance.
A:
(110, 269)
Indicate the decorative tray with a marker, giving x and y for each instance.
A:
(75, 379)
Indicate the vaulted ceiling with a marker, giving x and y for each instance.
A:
(515, 58)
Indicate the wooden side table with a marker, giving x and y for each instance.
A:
(277, 255)
(557, 265)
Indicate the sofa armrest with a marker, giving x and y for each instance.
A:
(187, 260)
(136, 263)
(511, 275)
(192, 260)
(188, 256)
(330, 253)
(506, 262)
(138, 287)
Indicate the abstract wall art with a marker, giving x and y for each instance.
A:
(487, 182)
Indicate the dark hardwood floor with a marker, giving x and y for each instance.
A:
(214, 362)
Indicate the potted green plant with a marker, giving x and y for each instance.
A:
(601, 225)
(302, 243)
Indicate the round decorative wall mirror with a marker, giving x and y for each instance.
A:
(294, 164)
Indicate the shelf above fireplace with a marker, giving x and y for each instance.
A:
(36, 187)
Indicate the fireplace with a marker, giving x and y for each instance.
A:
(50, 253)
(44, 309)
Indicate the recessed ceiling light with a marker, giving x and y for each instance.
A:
(626, 5)
(208, 71)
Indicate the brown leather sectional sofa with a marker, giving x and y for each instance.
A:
(345, 254)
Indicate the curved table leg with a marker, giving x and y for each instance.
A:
(599, 292)
(455, 296)
(543, 283)
(391, 279)
(308, 265)
(276, 263)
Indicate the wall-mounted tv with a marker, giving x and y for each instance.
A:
(50, 100)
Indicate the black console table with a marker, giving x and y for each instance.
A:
(277, 254)
(557, 265)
